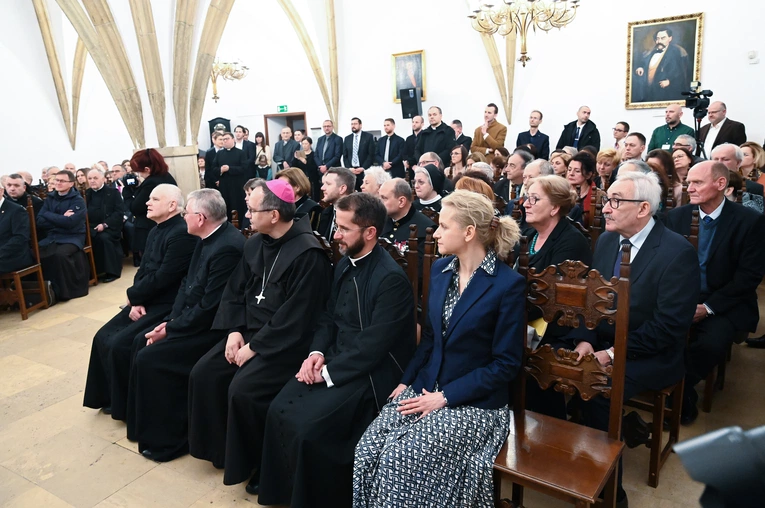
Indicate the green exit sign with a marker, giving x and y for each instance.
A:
(282, 109)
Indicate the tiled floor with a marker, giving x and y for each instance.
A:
(55, 453)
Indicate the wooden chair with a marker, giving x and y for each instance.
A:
(88, 248)
(684, 200)
(560, 458)
(430, 213)
(13, 295)
(235, 218)
(248, 232)
(500, 204)
(598, 225)
(408, 261)
(325, 245)
(428, 259)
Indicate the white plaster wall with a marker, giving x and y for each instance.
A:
(582, 64)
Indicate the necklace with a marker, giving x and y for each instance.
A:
(533, 244)
(260, 297)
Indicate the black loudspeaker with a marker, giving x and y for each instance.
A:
(411, 102)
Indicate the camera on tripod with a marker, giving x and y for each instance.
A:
(698, 100)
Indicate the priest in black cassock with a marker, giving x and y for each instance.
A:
(266, 321)
(365, 338)
(163, 356)
(106, 212)
(164, 264)
(229, 169)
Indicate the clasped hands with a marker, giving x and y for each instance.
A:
(584, 348)
(236, 352)
(310, 371)
(424, 404)
(157, 334)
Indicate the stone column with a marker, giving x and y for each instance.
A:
(182, 161)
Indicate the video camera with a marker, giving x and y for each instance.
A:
(698, 100)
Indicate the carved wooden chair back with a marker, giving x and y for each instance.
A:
(428, 259)
(430, 213)
(235, 218)
(326, 246)
(500, 204)
(408, 260)
(598, 223)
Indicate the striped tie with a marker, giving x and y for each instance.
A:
(355, 159)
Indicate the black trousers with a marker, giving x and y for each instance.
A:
(65, 265)
(709, 341)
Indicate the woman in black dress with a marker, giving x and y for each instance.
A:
(152, 170)
(305, 160)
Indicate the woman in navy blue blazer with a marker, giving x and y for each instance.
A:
(436, 441)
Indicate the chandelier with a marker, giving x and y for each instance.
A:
(520, 15)
(231, 71)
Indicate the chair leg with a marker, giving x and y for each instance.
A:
(517, 495)
(709, 389)
(654, 463)
(609, 492)
(674, 419)
(43, 288)
(497, 482)
(730, 349)
(20, 296)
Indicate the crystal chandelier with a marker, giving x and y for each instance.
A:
(520, 15)
(227, 70)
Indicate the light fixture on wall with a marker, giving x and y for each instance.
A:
(231, 71)
(520, 15)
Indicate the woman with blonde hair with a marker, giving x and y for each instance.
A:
(473, 158)
(559, 161)
(605, 164)
(449, 416)
(753, 162)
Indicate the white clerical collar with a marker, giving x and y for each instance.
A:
(430, 201)
(715, 213)
(354, 261)
(213, 232)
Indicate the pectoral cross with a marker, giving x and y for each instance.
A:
(260, 297)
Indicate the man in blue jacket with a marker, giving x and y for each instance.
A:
(62, 219)
(329, 148)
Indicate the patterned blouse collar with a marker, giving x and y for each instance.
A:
(489, 263)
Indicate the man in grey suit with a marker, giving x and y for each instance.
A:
(284, 149)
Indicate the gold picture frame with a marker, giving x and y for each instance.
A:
(408, 72)
(663, 57)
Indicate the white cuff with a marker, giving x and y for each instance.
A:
(486, 135)
(325, 375)
(709, 310)
(316, 353)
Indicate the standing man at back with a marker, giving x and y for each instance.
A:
(438, 138)
(390, 150)
(581, 132)
(411, 145)
(720, 129)
(491, 135)
(284, 149)
(533, 136)
(329, 148)
(358, 151)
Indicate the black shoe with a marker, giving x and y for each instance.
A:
(165, 454)
(635, 430)
(109, 278)
(107, 410)
(253, 486)
(689, 416)
(758, 343)
(690, 412)
(148, 454)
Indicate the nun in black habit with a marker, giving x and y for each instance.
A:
(365, 338)
(266, 321)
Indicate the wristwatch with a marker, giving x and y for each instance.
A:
(610, 354)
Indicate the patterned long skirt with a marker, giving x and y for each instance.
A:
(444, 459)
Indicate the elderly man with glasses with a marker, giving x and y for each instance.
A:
(62, 221)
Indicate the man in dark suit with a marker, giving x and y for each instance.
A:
(581, 132)
(329, 148)
(720, 129)
(358, 151)
(411, 145)
(438, 138)
(459, 136)
(390, 150)
(336, 183)
(663, 294)
(106, 212)
(731, 242)
(217, 140)
(14, 236)
(248, 148)
(535, 137)
(284, 149)
(16, 192)
(664, 71)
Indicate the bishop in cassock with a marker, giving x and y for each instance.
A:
(266, 321)
(164, 264)
(163, 356)
(365, 338)
(229, 169)
(106, 211)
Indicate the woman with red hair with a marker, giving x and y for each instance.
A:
(152, 170)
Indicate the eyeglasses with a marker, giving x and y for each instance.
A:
(184, 213)
(615, 202)
(533, 199)
(618, 130)
(58, 180)
(344, 231)
(263, 210)
(678, 145)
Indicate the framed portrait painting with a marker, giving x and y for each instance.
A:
(408, 72)
(663, 57)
